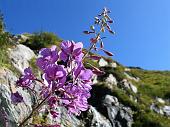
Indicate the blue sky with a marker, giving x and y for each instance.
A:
(142, 26)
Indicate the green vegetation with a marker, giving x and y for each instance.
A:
(1, 23)
(4, 59)
(34, 67)
(5, 43)
(40, 40)
(152, 84)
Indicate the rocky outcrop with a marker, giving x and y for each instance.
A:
(66, 120)
(113, 64)
(103, 63)
(156, 109)
(119, 115)
(166, 110)
(97, 120)
(131, 77)
(128, 85)
(162, 110)
(13, 113)
(16, 113)
(107, 113)
(111, 81)
(20, 57)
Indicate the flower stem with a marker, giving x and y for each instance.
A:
(34, 109)
(89, 50)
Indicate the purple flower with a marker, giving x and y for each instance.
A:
(52, 101)
(55, 75)
(71, 50)
(26, 79)
(48, 56)
(54, 114)
(75, 99)
(16, 98)
(83, 77)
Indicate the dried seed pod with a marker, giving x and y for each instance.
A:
(94, 57)
(107, 52)
(101, 44)
(93, 40)
(111, 32)
(86, 32)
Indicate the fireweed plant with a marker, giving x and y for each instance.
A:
(65, 81)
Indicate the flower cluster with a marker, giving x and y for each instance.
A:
(65, 81)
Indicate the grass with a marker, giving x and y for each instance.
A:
(40, 40)
(4, 59)
(153, 83)
(34, 67)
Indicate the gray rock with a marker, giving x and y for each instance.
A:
(156, 109)
(132, 78)
(95, 81)
(162, 110)
(103, 63)
(160, 100)
(128, 85)
(66, 120)
(98, 120)
(14, 113)
(111, 80)
(113, 64)
(127, 69)
(20, 57)
(119, 115)
(166, 110)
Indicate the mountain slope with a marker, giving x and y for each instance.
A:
(139, 97)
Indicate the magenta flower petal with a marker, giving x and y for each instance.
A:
(16, 98)
(54, 114)
(71, 50)
(86, 74)
(26, 79)
(48, 56)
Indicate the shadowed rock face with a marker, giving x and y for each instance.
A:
(119, 115)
